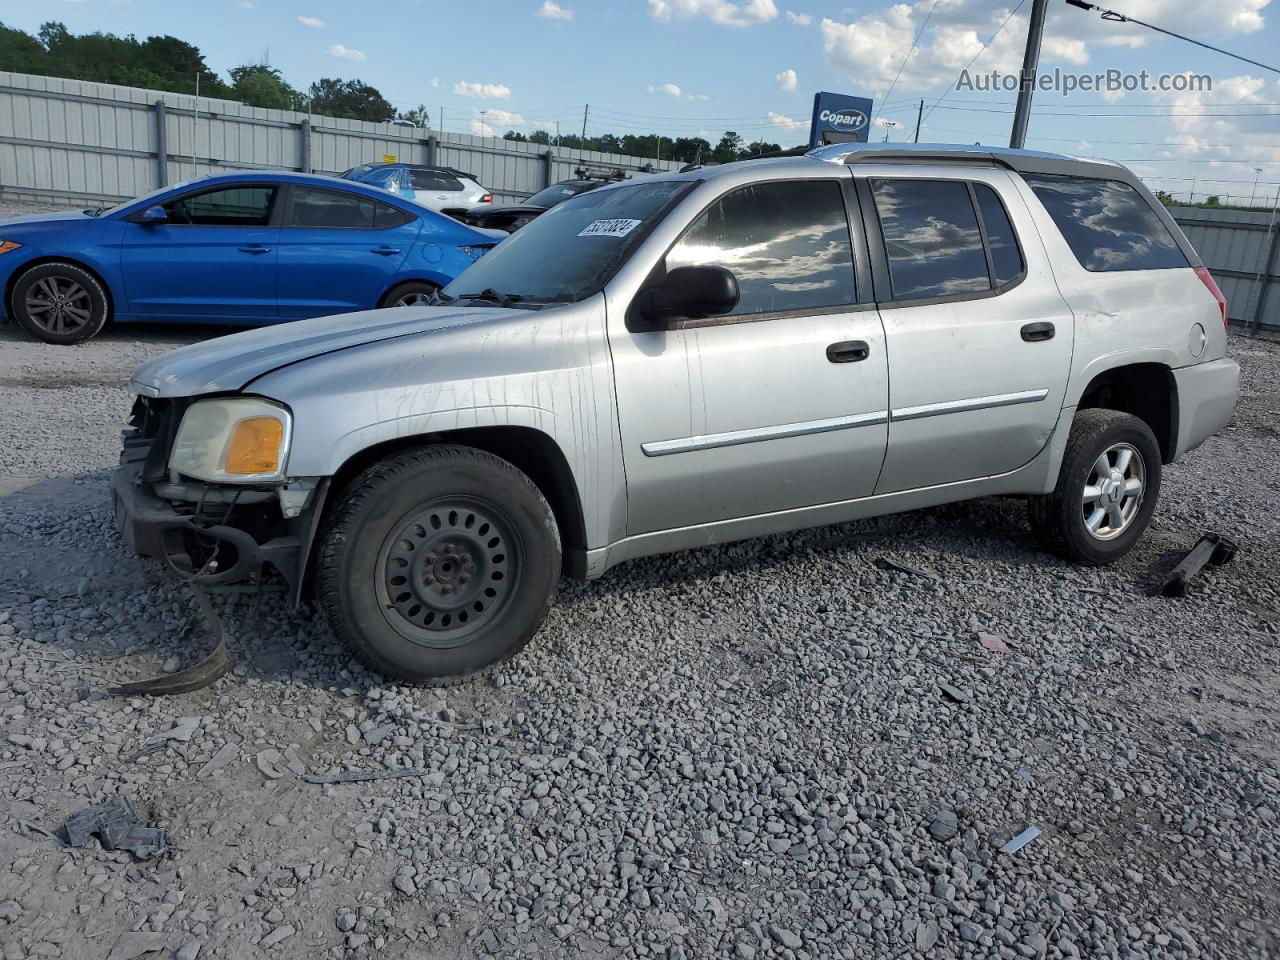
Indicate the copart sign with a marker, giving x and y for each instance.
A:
(839, 118)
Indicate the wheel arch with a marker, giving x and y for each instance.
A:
(73, 261)
(1146, 390)
(435, 280)
(533, 452)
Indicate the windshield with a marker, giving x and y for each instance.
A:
(572, 250)
(558, 193)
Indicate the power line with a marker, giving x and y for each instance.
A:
(974, 58)
(911, 50)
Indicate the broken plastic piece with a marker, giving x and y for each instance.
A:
(117, 827)
(1021, 840)
(359, 776)
(1211, 548)
(195, 677)
(884, 563)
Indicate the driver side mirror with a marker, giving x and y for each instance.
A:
(154, 215)
(688, 293)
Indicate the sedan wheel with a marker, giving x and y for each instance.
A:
(59, 303)
(1113, 494)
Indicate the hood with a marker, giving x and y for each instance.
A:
(51, 216)
(229, 363)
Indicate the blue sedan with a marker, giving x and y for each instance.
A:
(241, 248)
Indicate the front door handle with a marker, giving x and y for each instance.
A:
(385, 251)
(848, 351)
(1035, 332)
(255, 248)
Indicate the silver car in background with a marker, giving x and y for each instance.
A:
(690, 359)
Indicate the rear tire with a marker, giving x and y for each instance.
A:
(415, 293)
(60, 303)
(1098, 509)
(438, 564)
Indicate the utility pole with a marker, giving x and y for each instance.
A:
(1030, 63)
(442, 119)
(1257, 172)
(585, 109)
(888, 125)
(658, 153)
(919, 117)
(557, 133)
(1192, 202)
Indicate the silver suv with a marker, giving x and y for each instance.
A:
(686, 360)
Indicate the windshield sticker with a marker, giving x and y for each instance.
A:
(609, 228)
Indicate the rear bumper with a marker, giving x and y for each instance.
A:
(1207, 395)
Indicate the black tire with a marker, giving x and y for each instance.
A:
(413, 293)
(438, 564)
(1059, 519)
(60, 303)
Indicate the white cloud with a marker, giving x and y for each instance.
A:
(787, 80)
(787, 123)
(346, 53)
(482, 129)
(553, 11)
(492, 91)
(506, 118)
(724, 12)
(310, 21)
(696, 96)
(435, 82)
(668, 88)
(245, 4)
(800, 19)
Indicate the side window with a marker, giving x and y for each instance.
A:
(931, 238)
(229, 207)
(786, 242)
(1006, 257)
(329, 208)
(433, 180)
(1107, 224)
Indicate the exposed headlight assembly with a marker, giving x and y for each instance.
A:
(233, 440)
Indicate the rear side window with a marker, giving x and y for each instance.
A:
(1107, 224)
(931, 238)
(433, 180)
(786, 242)
(1006, 258)
(329, 208)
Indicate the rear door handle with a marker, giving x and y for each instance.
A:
(848, 351)
(1035, 332)
(385, 251)
(255, 248)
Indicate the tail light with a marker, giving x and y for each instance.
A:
(487, 198)
(1207, 279)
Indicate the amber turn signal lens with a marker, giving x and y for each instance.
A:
(255, 446)
(8, 246)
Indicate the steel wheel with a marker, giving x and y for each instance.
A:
(414, 299)
(59, 305)
(447, 570)
(1114, 490)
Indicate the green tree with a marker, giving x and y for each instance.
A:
(350, 99)
(20, 52)
(728, 149)
(1213, 201)
(259, 85)
(419, 115)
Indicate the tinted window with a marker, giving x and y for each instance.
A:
(1107, 224)
(559, 192)
(230, 207)
(328, 208)
(1006, 258)
(787, 243)
(433, 180)
(590, 236)
(931, 237)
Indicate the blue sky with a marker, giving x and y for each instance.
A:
(686, 67)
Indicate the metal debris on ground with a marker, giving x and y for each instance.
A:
(360, 776)
(195, 677)
(884, 563)
(1021, 840)
(994, 642)
(117, 827)
(1211, 548)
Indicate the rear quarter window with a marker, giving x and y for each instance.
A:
(1107, 224)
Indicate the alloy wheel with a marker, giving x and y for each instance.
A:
(59, 305)
(1113, 491)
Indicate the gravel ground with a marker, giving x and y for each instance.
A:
(770, 749)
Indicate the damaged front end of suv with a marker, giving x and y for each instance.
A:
(202, 486)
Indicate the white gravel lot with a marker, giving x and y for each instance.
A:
(735, 752)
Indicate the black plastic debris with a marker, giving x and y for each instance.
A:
(892, 566)
(117, 828)
(195, 677)
(361, 776)
(1211, 548)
